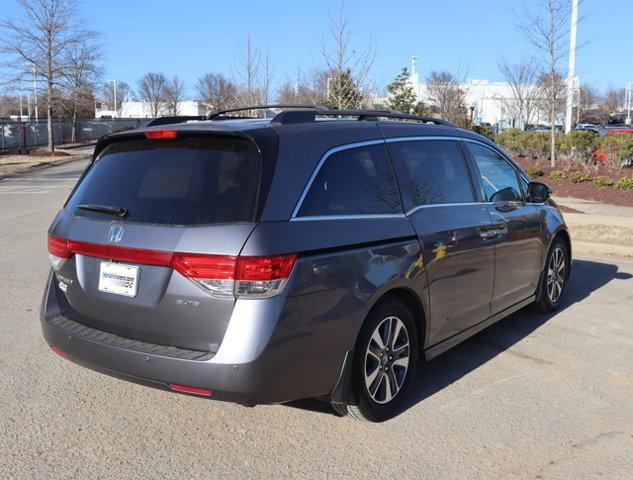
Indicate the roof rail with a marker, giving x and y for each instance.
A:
(218, 114)
(306, 116)
(168, 120)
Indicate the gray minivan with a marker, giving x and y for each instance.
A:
(318, 254)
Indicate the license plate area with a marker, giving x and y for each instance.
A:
(118, 278)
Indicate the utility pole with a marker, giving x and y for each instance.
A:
(572, 65)
(115, 104)
(627, 102)
(35, 95)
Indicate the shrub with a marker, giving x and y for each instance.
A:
(535, 172)
(579, 177)
(617, 147)
(557, 175)
(625, 183)
(577, 146)
(537, 145)
(484, 130)
(602, 181)
(513, 140)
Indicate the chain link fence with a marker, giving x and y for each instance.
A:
(32, 134)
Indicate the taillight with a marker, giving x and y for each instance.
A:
(58, 251)
(185, 389)
(228, 276)
(161, 134)
(262, 277)
(218, 275)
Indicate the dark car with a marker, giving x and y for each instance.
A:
(318, 254)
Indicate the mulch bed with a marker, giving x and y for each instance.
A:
(584, 190)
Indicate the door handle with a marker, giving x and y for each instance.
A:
(493, 232)
(490, 233)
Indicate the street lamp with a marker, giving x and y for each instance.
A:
(115, 104)
(628, 101)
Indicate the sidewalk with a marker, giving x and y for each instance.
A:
(602, 229)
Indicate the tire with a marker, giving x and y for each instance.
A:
(389, 324)
(553, 278)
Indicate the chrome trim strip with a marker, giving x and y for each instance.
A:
(383, 216)
(433, 205)
(320, 164)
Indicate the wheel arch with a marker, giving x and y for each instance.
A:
(411, 300)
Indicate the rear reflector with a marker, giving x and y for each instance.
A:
(194, 390)
(161, 134)
(220, 275)
(59, 351)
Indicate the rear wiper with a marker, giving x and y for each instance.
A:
(121, 212)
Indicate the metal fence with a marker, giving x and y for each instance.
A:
(32, 134)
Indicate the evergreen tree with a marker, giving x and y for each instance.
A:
(403, 98)
(344, 91)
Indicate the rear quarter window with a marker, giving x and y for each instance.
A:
(192, 181)
(355, 181)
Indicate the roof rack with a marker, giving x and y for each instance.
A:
(168, 120)
(220, 114)
(306, 116)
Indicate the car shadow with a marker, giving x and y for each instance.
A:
(587, 276)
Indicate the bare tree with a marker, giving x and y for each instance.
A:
(611, 103)
(216, 91)
(81, 75)
(248, 70)
(37, 42)
(588, 98)
(552, 95)
(311, 90)
(345, 64)
(174, 95)
(123, 91)
(447, 97)
(546, 29)
(266, 77)
(522, 77)
(152, 88)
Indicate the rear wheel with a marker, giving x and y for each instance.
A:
(386, 355)
(554, 278)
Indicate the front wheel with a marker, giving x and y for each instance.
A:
(554, 278)
(386, 355)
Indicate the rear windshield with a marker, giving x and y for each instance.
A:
(193, 181)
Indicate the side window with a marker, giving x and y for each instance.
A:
(431, 172)
(498, 177)
(356, 181)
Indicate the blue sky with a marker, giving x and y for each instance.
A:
(191, 37)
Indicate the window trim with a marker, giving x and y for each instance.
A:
(326, 155)
(517, 173)
(465, 162)
(466, 156)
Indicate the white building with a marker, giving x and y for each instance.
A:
(142, 109)
(488, 102)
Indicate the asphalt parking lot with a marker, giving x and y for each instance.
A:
(534, 396)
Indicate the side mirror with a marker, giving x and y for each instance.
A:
(538, 192)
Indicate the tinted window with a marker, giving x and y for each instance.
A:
(352, 182)
(193, 181)
(431, 171)
(498, 177)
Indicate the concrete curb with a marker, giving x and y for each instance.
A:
(44, 165)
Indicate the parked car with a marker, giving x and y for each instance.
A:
(319, 254)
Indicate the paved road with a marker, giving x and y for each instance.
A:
(548, 397)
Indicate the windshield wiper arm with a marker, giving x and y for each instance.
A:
(121, 212)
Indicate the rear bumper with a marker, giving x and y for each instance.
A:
(290, 366)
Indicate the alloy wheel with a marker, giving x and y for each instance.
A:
(556, 274)
(387, 360)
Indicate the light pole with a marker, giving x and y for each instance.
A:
(627, 102)
(572, 65)
(115, 104)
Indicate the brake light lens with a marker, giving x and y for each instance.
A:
(218, 275)
(161, 134)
